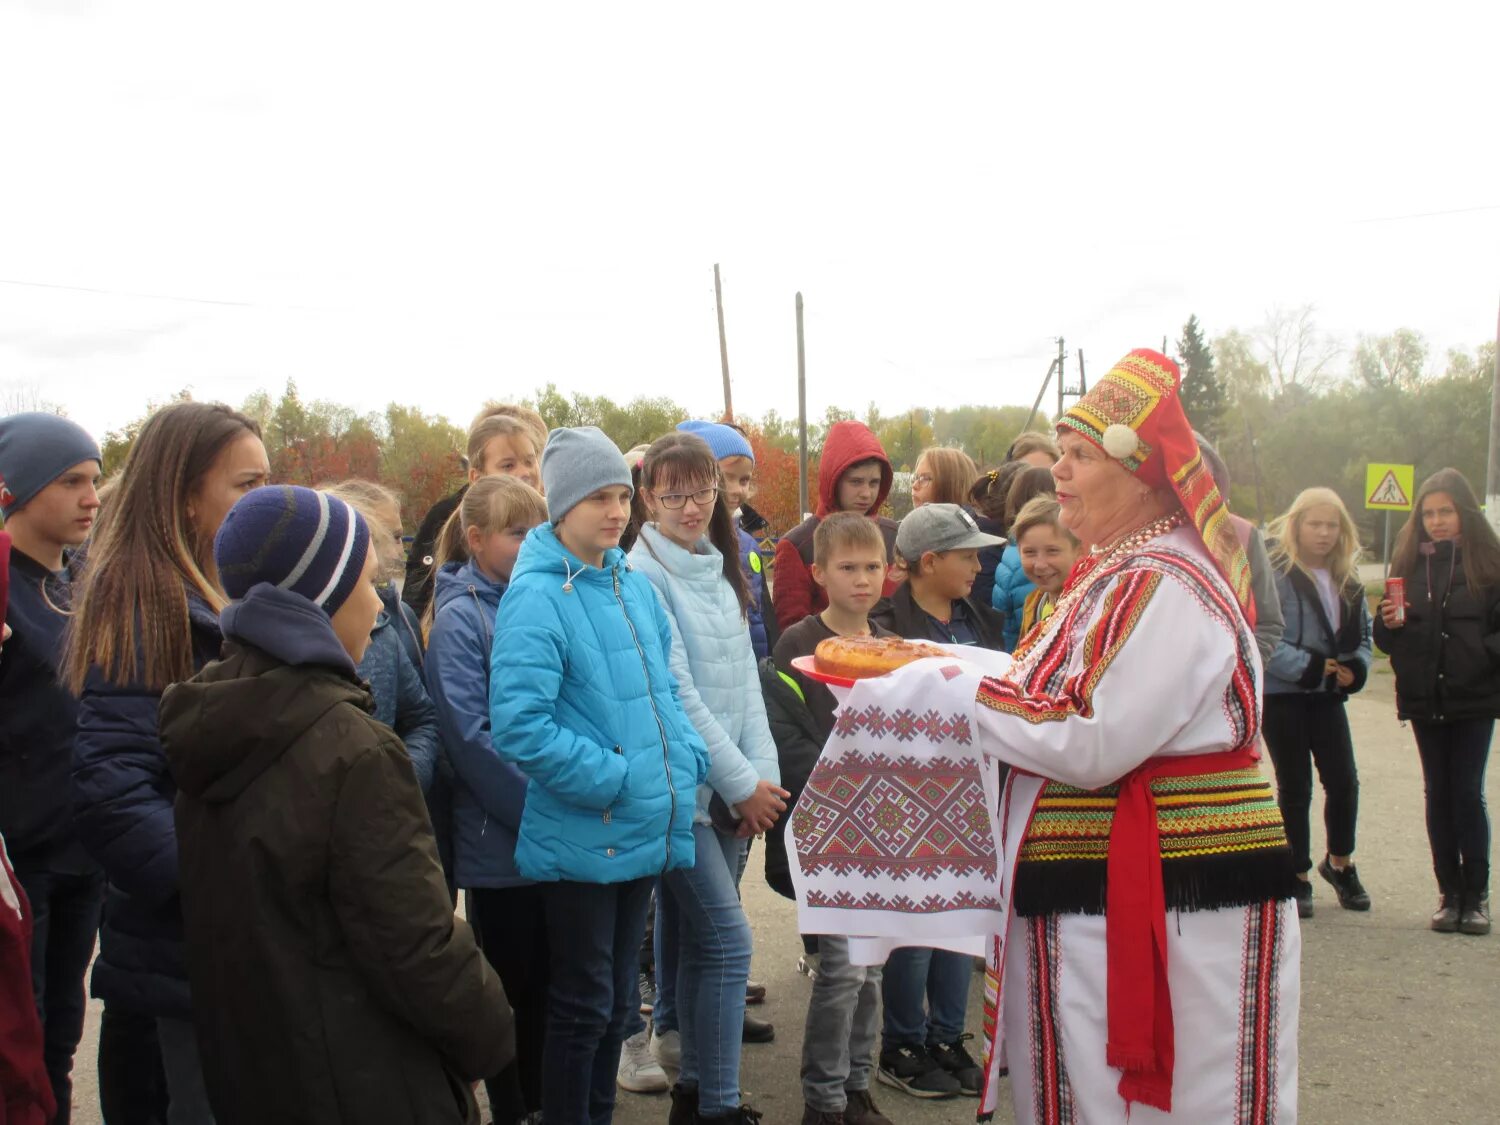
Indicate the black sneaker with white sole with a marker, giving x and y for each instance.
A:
(955, 1059)
(1345, 880)
(914, 1070)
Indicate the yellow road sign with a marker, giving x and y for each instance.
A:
(1389, 488)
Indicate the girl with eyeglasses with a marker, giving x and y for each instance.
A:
(689, 552)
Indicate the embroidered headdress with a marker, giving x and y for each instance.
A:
(1135, 415)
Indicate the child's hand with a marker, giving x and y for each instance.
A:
(763, 808)
(1344, 675)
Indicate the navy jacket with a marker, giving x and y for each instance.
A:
(123, 793)
(38, 717)
(489, 793)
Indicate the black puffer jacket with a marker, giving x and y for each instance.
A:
(331, 982)
(1447, 655)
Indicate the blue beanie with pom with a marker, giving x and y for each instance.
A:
(295, 539)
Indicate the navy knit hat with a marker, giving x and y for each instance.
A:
(294, 539)
(724, 441)
(36, 449)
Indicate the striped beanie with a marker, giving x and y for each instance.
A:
(295, 539)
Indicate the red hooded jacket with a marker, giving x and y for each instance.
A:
(795, 594)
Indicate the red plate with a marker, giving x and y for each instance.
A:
(808, 666)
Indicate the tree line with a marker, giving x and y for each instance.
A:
(1287, 406)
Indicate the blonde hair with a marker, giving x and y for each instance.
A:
(369, 499)
(1284, 529)
(846, 531)
(490, 504)
(491, 426)
(1040, 511)
(953, 472)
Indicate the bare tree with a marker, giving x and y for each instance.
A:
(1297, 352)
(23, 397)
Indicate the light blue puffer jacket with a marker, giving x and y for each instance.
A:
(583, 701)
(718, 678)
(1009, 597)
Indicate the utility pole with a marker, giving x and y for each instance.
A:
(723, 344)
(1062, 357)
(1083, 380)
(1492, 476)
(802, 507)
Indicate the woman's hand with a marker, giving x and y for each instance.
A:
(1388, 612)
(1344, 675)
(763, 808)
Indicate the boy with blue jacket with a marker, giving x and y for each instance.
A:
(582, 701)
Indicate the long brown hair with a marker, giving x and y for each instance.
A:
(1025, 486)
(490, 504)
(988, 492)
(132, 607)
(1481, 550)
(682, 459)
(952, 471)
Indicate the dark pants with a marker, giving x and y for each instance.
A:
(512, 923)
(593, 936)
(65, 910)
(1458, 824)
(132, 1080)
(1303, 730)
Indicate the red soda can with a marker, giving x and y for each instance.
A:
(1395, 593)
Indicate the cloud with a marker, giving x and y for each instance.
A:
(61, 344)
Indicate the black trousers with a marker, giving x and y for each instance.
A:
(1454, 756)
(512, 924)
(65, 921)
(132, 1080)
(1302, 730)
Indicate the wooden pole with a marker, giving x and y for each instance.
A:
(802, 504)
(723, 344)
(1062, 377)
(1037, 405)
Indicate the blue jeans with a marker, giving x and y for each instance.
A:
(593, 940)
(941, 978)
(664, 1010)
(65, 919)
(701, 906)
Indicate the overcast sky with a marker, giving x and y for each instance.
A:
(441, 203)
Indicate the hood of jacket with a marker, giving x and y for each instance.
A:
(543, 553)
(849, 444)
(457, 580)
(284, 671)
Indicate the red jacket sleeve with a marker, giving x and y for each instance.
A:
(794, 596)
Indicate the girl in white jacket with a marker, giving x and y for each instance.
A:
(689, 551)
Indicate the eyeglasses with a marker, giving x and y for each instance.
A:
(674, 500)
(922, 478)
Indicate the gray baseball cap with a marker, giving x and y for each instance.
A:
(940, 527)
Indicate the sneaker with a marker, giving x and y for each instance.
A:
(807, 965)
(1351, 892)
(814, 1116)
(1304, 899)
(1476, 915)
(639, 1072)
(684, 1109)
(862, 1110)
(648, 993)
(667, 1049)
(755, 992)
(955, 1059)
(914, 1070)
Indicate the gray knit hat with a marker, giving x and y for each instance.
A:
(577, 463)
(36, 449)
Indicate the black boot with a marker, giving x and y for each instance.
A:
(1475, 918)
(684, 1109)
(744, 1115)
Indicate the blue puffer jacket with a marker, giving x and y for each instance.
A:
(754, 567)
(582, 699)
(1309, 639)
(401, 700)
(1009, 597)
(122, 803)
(489, 793)
(718, 675)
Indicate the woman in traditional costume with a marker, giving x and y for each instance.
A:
(1146, 961)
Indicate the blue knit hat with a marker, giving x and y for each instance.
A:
(725, 441)
(294, 539)
(36, 449)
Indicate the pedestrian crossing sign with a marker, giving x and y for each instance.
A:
(1389, 488)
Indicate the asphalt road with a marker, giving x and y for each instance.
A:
(1398, 1024)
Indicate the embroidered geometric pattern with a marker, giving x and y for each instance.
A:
(1256, 1079)
(1052, 1096)
(1126, 396)
(1199, 815)
(905, 725)
(895, 817)
(875, 900)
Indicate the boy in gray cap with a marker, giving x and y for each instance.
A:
(940, 545)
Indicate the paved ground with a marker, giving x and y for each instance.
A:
(1398, 1024)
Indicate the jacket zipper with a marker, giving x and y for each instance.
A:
(660, 729)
